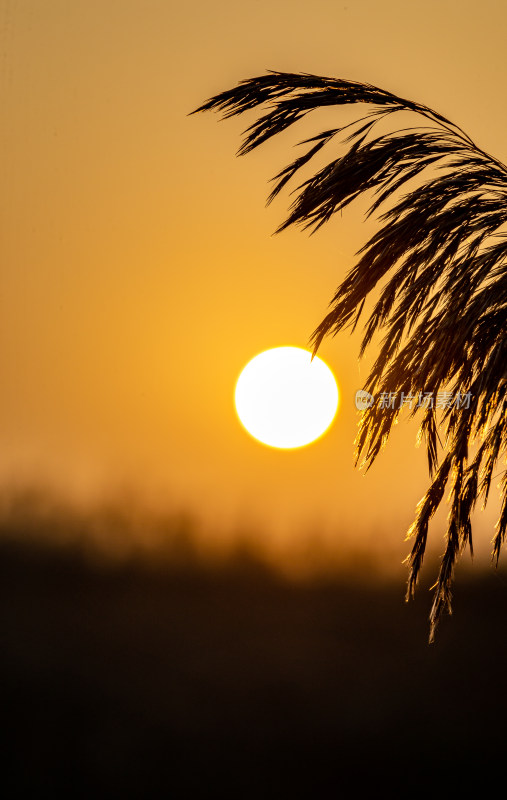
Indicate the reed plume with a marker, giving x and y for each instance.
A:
(438, 261)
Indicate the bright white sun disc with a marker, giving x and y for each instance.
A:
(285, 399)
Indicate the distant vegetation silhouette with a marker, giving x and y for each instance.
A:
(164, 676)
(440, 254)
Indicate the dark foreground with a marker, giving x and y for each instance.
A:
(181, 683)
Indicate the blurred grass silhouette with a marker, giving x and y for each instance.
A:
(175, 674)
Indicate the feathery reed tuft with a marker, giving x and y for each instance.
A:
(440, 257)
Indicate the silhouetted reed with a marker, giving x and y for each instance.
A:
(440, 255)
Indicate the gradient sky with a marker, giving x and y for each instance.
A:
(139, 271)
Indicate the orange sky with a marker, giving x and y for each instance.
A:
(139, 273)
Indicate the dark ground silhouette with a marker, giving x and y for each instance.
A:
(172, 681)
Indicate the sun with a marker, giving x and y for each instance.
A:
(285, 399)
